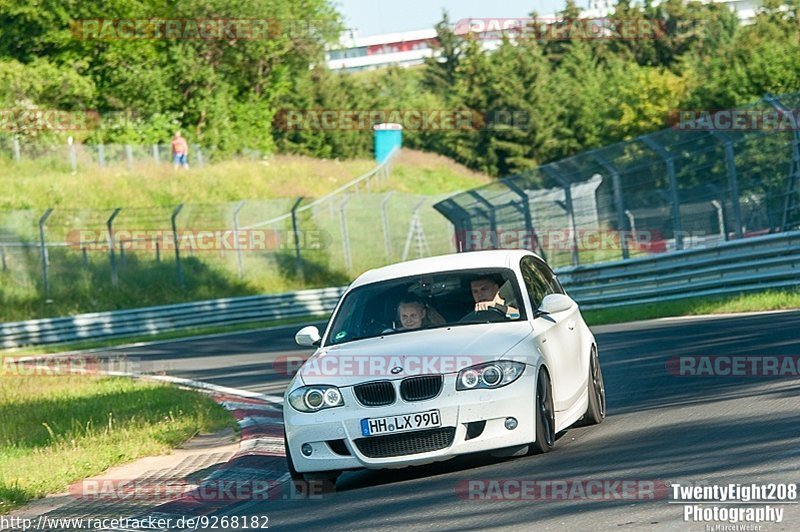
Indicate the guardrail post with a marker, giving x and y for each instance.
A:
(387, 237)
(15, 149)
(239, 259)
(296, 233)
(43, 248)
(619, 202)
(101, 155)
(111, 246)
(345, 241)
(179, 266)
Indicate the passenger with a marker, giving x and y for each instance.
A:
(414, 314)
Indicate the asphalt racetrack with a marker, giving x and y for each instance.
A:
(662, 429)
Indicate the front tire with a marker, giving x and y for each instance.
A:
(545, 417)
(596, 411)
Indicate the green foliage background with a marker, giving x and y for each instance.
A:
(226, 93)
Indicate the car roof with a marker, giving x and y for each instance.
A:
(500, 258)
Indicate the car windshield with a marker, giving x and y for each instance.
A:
(427, 301)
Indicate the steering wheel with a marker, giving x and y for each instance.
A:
(491, 314)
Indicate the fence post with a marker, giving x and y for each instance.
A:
(298, 259)
(239, 259)
(677, 226)
(158, 252)
(73, 157)
(45, 277)
(387, 238)
(199, 156)
(15, 149)
(733, 180)
(111, 246)
(345, 242)
(129, 156)
(619, 203)
(155, 154)
(101, 155)
(3, 256)
(173, 221)
(85, 257)
(794, 165)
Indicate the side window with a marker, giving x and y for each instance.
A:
(536, 284)
(553, 284)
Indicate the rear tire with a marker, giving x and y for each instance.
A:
(544, 416)
(596, 411)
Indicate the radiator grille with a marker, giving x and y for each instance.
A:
(422, 441)
(379, 393)
(421, 388)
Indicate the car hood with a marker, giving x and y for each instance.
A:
(424, 352)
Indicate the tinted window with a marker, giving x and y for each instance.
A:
(428, 301)
(536, 282)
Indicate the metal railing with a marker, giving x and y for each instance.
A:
(154, 320)
(771, 261)
(760, 263)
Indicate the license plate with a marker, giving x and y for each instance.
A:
(401, 423)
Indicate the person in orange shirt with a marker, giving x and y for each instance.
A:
(180, 151)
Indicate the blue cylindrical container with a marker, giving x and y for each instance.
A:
(387, 138)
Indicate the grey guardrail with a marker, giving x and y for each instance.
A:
(757, 263)
(152, 320)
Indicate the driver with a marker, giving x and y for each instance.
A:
(487, 293)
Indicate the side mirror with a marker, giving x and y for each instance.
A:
(307, 336)
(552, 304)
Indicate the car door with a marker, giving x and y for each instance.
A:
(558, 334)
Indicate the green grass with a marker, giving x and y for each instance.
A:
(36, 185)
(148, 194)
(754, 302)
(55, 430)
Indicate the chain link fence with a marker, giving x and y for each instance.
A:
(216, 250)
(712, 177)
(75, 156)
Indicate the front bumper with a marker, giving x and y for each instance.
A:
(458, 409)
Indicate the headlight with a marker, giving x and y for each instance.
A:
(315, 398)
(489, 376)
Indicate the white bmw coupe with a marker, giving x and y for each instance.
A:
(433, 358)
